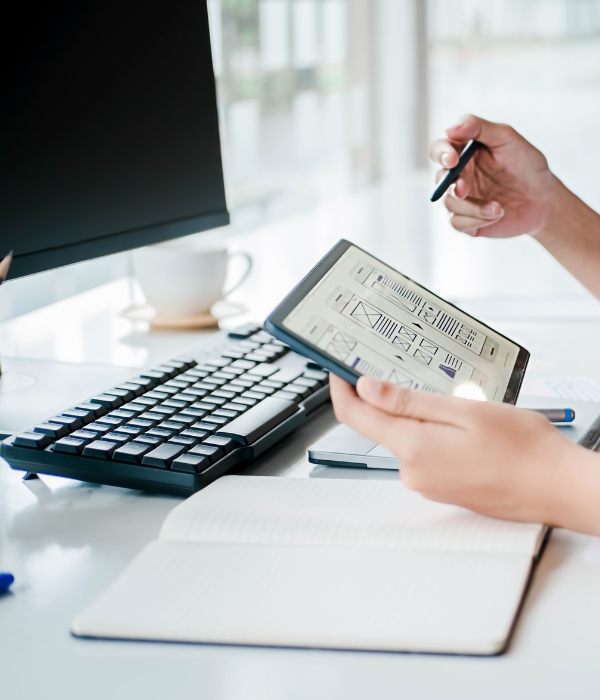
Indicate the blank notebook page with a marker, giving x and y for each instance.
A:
(342, 513)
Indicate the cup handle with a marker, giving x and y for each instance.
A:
(247, 271)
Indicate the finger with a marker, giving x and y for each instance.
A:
(461, 188)
(395, 432)
(473, 208)
(470, 225)
(408, 403)
(491, 134)
(443, 152)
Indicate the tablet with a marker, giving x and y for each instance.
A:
(354, 315)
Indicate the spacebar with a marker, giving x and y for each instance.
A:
(257, 421)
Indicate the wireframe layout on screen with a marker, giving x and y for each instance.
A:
(371, 318)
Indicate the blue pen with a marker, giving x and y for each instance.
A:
(6, 581)
(557, 415)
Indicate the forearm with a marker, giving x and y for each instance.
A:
(572, 236)
(574, 494)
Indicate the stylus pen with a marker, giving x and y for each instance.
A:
(557, 415)
(452, 175)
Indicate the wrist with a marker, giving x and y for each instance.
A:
(557, 203)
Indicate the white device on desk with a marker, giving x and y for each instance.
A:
(343, 447)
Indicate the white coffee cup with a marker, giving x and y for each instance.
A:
(184, 279)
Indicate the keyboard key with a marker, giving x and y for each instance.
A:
(132, 452)
(111, 421)
(243, 364)
(135, 388)
(186, 398)
(237, 407)
(178, 383)
(203, 406)
(234, 354)
(95, 408)
(131, 430)
(141, 423)
(148, 401)
(53, 430)
(200, 373)
(302, 391)
(271, 383)
(217, 420)
(35, 440)
(134, 407)
(187, 440)
(205, 386)
(245, 401)
(193, 412)
(249, 345)
(211, 452)
(121, 413)
(84, 435)
(164, 389)
(157, 376)
(257, 356)
(119, 438)
(174, 403)
(107, 401)
(69, 445)
(268, 390)
(184, 418)
(244, 383)
(165, 410)
(98, 428)
(235, 371)
(101, 449)
(244, 331)
(262, 337)
(143, 382)
(249, 377)
(124, 394)
(263, 370)
(311, 384)
(236, 388)
(224, 413)
(288, 395)
(84, 416)
(213, 381)
(225, 443)
(162, 432)
(150, 439)
(172, 425)
(259, 420)
(154, 417)
(286, 375)
(69, 422)
(224, 374)
(219, 362)
(223, 394)
(192, 464)
(197, 392)
(321, 376)
(192, 432)
(208, 427)
(216, 400)
(162, 456)
(170, 371)
(177, 364)
(252, 394)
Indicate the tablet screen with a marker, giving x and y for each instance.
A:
(380, 323)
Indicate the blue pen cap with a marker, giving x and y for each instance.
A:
(569, 415)
(6, 581)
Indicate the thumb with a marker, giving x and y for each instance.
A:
(491, 134)
(398, 401)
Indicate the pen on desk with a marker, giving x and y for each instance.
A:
(6, 580)
(452, 175)
(4, 265)
(557, 415)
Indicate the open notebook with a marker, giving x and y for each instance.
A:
(325, 563)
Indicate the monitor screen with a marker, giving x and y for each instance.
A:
(109, 133)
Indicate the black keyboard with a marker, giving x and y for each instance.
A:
(178, 426)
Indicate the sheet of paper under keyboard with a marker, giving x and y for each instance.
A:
(340, 597)
(339, 512)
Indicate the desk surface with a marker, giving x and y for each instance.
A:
(66, 541)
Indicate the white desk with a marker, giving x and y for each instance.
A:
(66, 541)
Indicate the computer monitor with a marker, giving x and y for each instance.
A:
(109, 134)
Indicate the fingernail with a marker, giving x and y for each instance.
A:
(369, 388)
(446, 160)
(492, 210)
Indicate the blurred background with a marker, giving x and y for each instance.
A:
(326, 110)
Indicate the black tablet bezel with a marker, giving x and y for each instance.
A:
(274, 324)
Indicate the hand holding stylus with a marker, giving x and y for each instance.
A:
(505, 190)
